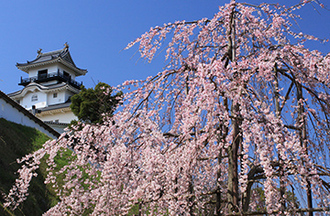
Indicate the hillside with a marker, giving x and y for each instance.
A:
(16, 141)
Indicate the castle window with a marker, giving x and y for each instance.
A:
(34, 98)
(42, 74)
(55, 95)
(66, 75)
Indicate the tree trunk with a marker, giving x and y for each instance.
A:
(223, 132)
(233, 162)
(232, 151)
(218, 190)
(303, 137)
(278, 114)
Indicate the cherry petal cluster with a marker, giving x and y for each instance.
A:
(242, 108)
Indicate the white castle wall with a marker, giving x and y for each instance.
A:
(62, 117)
(41, 101)
(8, 112)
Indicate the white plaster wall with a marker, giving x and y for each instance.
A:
(33, 73)
(20, 100)
(44, 98)
(65, 117)
(51, 69)
(62, 97)
(41, 102)
(68, 94)
(59, 99)
(11, 114)
(26, 100)
(68, 70)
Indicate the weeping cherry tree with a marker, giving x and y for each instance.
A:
(242, 104)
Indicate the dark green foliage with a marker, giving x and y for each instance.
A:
(90, 104)
(15, 142)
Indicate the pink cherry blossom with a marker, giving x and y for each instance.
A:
(238, 108)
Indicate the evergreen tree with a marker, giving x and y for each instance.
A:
(91, 105)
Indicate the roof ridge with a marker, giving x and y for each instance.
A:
(52, 52)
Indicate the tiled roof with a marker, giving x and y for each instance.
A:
(43, 88)
(55, 106)
(62, 56)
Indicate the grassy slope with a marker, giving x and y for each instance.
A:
(16, 141)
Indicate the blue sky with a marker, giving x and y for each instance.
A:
(98, 30)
